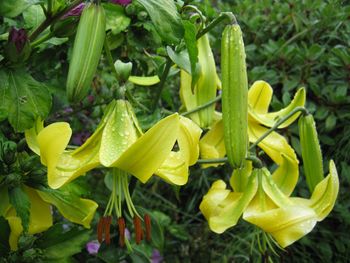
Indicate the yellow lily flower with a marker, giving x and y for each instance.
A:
(77, 210)
(119, 142)
(274, 145)
(205, 88)
(263, 204)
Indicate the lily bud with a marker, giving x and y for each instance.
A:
(17, 48)
(123, 70)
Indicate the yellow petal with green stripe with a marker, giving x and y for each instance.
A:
(146, 155)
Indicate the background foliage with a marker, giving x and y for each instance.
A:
(289, 44)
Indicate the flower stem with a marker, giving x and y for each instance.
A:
(223, 16)
(162, 82)
(209, 103)
(51, 19)
(207, 161)
(278, 123)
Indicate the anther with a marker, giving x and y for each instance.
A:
(121, 228)
(147, 219)
(138, 229)
(100, 230)
(108, 222)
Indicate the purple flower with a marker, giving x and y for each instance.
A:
(76, 11)
(18, 37)
(121, 2)
(156, 256)
(92, 247)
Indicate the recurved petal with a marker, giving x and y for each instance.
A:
(174, 169)
(287, 174)
(31, 136)
(188, 140)
(16, 229)
(146, 155)
(75, 209)
(274, 145)
(259, 97)
(325, 194)
(212, 144)
(223, 209)
(52, 141)
(40, 213)
(269, 119)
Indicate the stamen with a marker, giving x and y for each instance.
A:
(121, 228)
(108, 221)
(147, 219)
(138, 229)
(100, 230)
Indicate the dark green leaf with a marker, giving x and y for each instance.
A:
(191, 44)
(15, 7)
(165, 18)
(23, 98)
(20, 201)
(180, 59)
(60, 244)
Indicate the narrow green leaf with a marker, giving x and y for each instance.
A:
(191, 44)
(20, 201)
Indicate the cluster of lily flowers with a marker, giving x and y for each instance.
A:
(167, 150)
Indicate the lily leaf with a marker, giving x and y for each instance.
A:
(23, 99)
(165, 18)
(72, 207)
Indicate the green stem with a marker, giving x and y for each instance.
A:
(41, 40)
(109, 57)
(197, 11)
(256, 161)
(162, 82)
(207, 161)
(223, 16)
(209, 103)
(278, 123)
(51, 19)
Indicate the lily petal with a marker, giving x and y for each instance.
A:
(212, 144)
(118, 134)
(63, 167)
(75, 209)
(31, 136)
(223, 208)
(144, 81)
(147, 154)
(188, 140)
(39, 221)
(259, 98)
(174, 169)
(285, 224)
(325, 194)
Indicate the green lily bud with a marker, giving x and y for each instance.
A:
(17, 48)
(123, 69)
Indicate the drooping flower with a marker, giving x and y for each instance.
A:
(119, 143)
(263, 204)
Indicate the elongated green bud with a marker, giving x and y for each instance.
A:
(310, 151)
(87, 51)
(234, 95)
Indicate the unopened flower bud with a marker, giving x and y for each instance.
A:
(17, 48)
